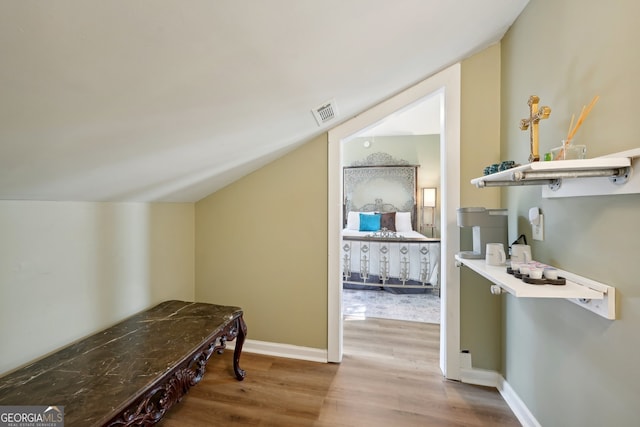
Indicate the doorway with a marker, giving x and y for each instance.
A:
(410, 137)
(446, 82)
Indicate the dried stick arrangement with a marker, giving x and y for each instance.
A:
(573, 129)
(583, 115)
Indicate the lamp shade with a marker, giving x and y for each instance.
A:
(429, 197)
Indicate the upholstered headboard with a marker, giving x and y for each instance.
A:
(380, 188)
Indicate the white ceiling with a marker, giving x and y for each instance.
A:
(171, 100)
(424, 118)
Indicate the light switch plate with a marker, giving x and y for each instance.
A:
(538, 230)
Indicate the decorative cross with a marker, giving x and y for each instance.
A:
(534, 118)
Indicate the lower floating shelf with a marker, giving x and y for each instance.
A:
(589, 294)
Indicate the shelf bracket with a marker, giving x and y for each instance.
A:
(587, 173)
(555, 185)
(621, 178)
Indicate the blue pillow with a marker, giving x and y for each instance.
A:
(369, 222)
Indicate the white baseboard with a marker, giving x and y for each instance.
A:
(481, 377)
(282, 350)
(494, 379)
(518, 407)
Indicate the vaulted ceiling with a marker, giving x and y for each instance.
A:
(171, 100)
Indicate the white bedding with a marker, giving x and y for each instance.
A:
(408, 234)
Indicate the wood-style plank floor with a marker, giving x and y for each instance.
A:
(389, 377)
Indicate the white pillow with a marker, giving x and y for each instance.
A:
(403, 221)
(353, 220)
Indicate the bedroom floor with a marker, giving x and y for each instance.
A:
(362, 304)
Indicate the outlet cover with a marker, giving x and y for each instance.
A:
(465, 359)
(538, 230)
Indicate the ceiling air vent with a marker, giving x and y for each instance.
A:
(325, 112)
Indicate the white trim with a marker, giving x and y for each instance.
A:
(450, 238)
(516, 404)
(482, 377)
(281, 350)
(448, 83)
(489, 378)
(334, 280)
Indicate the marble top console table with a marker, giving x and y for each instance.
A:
(133, 372)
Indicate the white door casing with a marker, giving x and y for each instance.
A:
(446, 82)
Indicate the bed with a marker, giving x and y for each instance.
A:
(380, 247)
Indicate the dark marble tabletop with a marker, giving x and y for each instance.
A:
(97, 375)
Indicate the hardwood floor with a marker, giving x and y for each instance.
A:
(389, 377)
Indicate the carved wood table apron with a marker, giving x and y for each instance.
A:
(134, 371)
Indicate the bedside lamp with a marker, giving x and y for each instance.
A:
(428, 203)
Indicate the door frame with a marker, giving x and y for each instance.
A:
(446, 82)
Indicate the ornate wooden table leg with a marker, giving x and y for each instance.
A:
(242, 333)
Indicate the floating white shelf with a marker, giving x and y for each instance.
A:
(589, 294)
(610, 174)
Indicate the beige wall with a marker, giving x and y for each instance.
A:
(69, 269)
(261, 244)
(571, 367)
(247, 256)
(480, 314)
